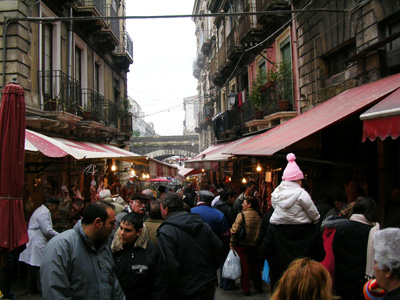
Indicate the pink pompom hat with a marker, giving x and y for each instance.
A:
(292, 171)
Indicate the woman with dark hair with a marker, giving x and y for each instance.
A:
(353, 250)
(247, 247)
(305, 279)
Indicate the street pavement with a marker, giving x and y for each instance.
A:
(20, 293)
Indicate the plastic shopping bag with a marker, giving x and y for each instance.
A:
(231, 268)
(265, 274)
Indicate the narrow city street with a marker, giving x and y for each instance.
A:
(20, 293)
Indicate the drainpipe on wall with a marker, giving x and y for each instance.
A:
(5, 27)
(70, 49)
(296, 72)
(41, 102)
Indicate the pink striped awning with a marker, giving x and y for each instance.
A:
(210, 158)
(59, 147)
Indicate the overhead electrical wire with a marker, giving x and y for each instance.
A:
(208, 15)
(297, 11)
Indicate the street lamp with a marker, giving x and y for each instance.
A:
(231, 99)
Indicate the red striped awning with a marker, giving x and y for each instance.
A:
(59, 147)
(383, 119)
(209, 159)
(328, 113)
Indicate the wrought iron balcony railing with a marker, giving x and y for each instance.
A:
(126, 45)
(110, 113)
(272, 103)
(196, 70)
(205, 41)
(221, 55)
(100, 5)
(128, 122)
(95, 102)
(232, 42)
(214, 66)
(248, 23)
(60, 91)
(113, 23)
(200, 58)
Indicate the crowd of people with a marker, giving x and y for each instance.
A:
(172, 247)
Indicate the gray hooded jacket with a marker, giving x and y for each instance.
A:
(73, 268)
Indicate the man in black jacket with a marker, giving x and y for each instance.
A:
(284, 243)
(138, 262)
(191, 251)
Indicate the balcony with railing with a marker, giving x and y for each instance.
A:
(233, 49)
(205, 41)
(278, 106)
(109, 36)
(196, 70)
(123, 54)
(92, 7)
(226, 123)
(200, 58)
(60, 91)
(213, 5)
(270, 5)
(128, 124)
(223, 62)
(95, 102)
(110, 113)
(214, 73)
(249, 30)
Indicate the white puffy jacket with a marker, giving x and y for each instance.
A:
(292, 205)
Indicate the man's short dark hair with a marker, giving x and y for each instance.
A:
(95, 210)
(226, 194)
(250, 184)
(162, 189)
(173, 201)
(133, 219)
(155, 210)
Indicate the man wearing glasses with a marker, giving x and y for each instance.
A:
(137, 205)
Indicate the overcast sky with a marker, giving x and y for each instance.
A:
(164, 50)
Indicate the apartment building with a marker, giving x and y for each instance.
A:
(191, 108)
(308, 52)
(71, 58)
(231, 52)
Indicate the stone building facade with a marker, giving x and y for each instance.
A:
(71, 58)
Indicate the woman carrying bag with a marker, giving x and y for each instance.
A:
(246, 246)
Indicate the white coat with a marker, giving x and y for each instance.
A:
(292, 205)
(40, 231)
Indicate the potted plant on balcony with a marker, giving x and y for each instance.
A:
(281, 75)
(124, 107)
(86, 110)
(258, 93)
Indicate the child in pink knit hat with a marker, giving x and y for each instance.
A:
(291, 203)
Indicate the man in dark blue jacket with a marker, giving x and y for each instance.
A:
(190, 250)
(138, 263)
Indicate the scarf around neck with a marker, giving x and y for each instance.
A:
(369, 267)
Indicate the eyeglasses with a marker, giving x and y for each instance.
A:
(140, 202)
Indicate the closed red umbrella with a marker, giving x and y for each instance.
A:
(13, 233)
